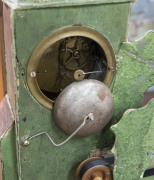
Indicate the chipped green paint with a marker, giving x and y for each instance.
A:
(135, 69)
(134, 76)
(134, 133)
(134, 143)
(7, 146)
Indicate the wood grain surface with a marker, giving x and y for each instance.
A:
(2, 65)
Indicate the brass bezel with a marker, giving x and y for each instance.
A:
(56, 36)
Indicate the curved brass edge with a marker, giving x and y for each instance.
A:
(83, 163)
(106, 171)
(36, 92)
(53, 38)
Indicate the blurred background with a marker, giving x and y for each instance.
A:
(141, 21)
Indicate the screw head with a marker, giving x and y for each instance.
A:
(76, 53)
(25, 142)
(33, 74)
(111, 69)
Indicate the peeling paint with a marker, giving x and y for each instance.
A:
(134, 143)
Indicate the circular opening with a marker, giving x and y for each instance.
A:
(58, 58)
(56, 71)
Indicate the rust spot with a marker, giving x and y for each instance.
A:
(101, 94)
(18, 82)
(147, 96)
(138, 167)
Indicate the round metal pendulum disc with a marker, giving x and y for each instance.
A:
(79, 99)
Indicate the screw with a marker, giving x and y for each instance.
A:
(48, 54)
(45, 71)
(33, 74)
(111, 68)
(25, 142)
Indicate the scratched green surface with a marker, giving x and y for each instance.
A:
(135, 74)
(41, 160)
(149, 178)
(135, 131)
(8, 150)
(134, 143)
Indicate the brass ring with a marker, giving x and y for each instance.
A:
(53, 38)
